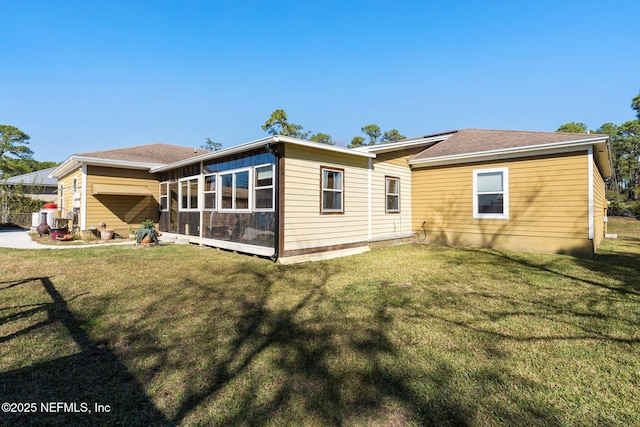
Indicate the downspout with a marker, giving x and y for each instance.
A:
(591, 196)
(276, 201)
(201, 202)
(369, 192)
(83, 199)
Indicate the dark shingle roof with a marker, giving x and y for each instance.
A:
(150, 153)
(468, 141)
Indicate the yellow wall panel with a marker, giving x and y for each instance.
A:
(548, 205)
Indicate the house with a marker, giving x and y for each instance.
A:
(36, 185)
(114, 186)
(295, 200)
(524, 191)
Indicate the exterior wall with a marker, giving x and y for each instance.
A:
(305, 227)
(548, 205)
(116, 211)
(67, 197)
(391, 225)
(599, 207)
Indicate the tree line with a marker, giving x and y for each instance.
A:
(279, 124)
(624, 185)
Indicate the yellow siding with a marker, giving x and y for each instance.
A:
(65, 203)
(389, 225)
(599, 207)
(548, 205)
(304, 226)
(119, 212)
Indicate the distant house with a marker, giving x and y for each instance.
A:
(114, 186)
(293, 200)
(37, 185)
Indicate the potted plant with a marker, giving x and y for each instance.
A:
(105, 233)
(147, 232)
(132, 234)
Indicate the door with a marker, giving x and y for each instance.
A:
(173, 207)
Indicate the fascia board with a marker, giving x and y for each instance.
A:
(401, 145)
(252, 145)
(74, 162)
(507, 153)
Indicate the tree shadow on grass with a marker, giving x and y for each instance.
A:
(65, 390)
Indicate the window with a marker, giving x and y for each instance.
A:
(164, 196)
(332, 190)
(234, 189)
(392, 193)
(263, 187)
(210, 192)
(491, 193)
(188, 194)
(61, 197)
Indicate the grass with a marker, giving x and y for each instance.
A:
(407, 335)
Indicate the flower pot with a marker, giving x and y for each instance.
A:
(106, 234)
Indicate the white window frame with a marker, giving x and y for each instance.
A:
(387, 194)
(199, 202)
(264, 187)
(233, 172)
(505, 194)
(323, 189)
(207, 191)
(166, 196)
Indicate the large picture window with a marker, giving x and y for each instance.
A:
(234, 189)
(392, 193)
(332, 190)
(491, 193)
(210, 192)
(263, 188)
(188, 194)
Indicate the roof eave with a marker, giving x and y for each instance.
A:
(258, 143)
(404, 144)
(74, 162)
(514, 151)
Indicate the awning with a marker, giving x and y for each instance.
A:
(120, 190)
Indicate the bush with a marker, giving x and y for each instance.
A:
(635, 208)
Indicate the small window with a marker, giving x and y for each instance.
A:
(210, 192)
(332, 190)
(189, 194)
(164, 196)
(61, 197)
(490, 193)
(263, 188)
(392, 194)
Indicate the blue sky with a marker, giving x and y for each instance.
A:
(82, 76)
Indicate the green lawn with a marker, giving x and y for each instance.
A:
(407, 335)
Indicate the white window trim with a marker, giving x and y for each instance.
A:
(233, 195)
(205, 191)
(160, 196)
(323, 189)
(272, 186)
(190, 209)
(505, 194)
(387, 194)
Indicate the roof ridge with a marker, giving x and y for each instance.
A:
(527, 131)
